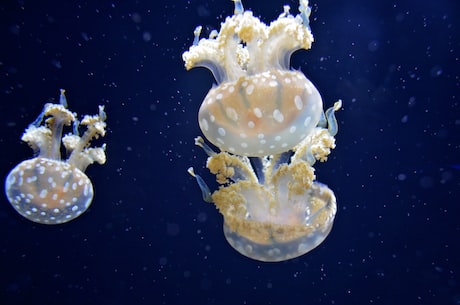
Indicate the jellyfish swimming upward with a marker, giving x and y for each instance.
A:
(47, 189)
(268, 124)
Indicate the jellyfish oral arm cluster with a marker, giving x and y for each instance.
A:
(269, 126)
(47, 189)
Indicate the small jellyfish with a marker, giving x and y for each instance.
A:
(268, 123)
(47, 189)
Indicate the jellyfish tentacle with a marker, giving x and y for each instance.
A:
(331, 120)
(205, 192)
(201, 143)
(63, 98)
(239, 9)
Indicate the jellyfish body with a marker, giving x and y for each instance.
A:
(259, 115)
(46, 189)
(269, 126)
(279, 225)
(273, 208)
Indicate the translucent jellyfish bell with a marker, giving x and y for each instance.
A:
(260, 115)
(46, 189)
(278, 225)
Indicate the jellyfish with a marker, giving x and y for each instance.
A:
(47, 189)
(268, 124)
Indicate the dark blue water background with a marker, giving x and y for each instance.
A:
(149, 238)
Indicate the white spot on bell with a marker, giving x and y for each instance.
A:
(86, 190)
(298, 102)
(250, 89)
(231, 113)
(308, 87)
(278, 116)
(257, 112)
(31, 179)
(43, 193)
(204, 124)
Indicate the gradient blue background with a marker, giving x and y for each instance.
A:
(149, 238)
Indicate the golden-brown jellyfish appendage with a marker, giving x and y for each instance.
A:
(49, 190)
(267, 121)
(277, 211)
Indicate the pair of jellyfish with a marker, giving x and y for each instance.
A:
(47, 189)
(269, 126)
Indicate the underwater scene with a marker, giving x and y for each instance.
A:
(230, 152)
